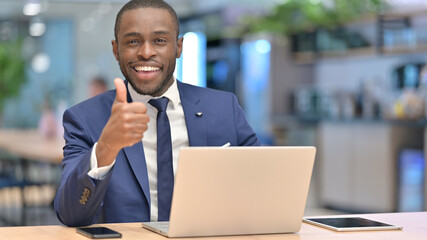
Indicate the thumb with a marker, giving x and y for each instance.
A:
(121, 92)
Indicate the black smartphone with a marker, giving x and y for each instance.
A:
(99, 232)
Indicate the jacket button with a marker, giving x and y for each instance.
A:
(86, 192)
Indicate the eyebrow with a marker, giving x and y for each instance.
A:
(132, 34)
(161, 32)
(136, 34)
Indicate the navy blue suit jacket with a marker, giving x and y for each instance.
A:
(124, 195)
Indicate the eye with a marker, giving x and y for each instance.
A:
(160, 41)
(133, 42)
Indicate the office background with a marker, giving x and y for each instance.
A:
(355, 89)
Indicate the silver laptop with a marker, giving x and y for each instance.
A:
(238, 191)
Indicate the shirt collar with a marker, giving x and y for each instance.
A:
(172, 94)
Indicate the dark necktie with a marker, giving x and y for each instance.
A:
(165, 176)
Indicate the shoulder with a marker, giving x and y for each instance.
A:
(203, 92)
(98, 103)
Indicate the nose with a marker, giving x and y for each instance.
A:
(146, 51)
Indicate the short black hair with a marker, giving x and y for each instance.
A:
(135, 4)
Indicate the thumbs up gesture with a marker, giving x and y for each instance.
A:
(121, 93)
(126, 126)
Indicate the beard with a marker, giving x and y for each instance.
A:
(151, 91)
(156, 90)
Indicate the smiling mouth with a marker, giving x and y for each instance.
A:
(146, 69)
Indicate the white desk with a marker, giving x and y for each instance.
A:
(414, 228)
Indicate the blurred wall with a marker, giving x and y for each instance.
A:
(77, 44)
(94, 30)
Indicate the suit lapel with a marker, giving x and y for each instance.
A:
(195, 117)
(136, 157)
(197, 135)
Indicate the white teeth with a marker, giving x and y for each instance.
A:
(146, 69)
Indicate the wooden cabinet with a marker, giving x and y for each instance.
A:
(358, 163)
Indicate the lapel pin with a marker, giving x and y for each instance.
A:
(199, 114)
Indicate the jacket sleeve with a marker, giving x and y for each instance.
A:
(245, 134)
(79, 199)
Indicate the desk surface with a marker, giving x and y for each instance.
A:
(31, 145)
(414, 228)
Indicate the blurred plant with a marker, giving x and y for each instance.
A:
(296, 16)
(12, 70)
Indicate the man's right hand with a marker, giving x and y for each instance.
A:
(126, 126)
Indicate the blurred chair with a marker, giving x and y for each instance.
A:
(31, 178)
(11, 176)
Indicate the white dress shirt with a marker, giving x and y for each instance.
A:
(179, 137)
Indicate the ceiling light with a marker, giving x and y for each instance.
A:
(40, 63)
(32, 8)
(37, 28)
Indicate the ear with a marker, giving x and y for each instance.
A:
(115, 49)
(179, 47)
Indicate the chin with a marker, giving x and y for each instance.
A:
(147, 90)
(152, 88)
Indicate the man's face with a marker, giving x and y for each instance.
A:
(146, 49)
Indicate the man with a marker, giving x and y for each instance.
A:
(97, 86)
(108, 174)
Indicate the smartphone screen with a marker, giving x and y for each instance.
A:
(99, 232)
